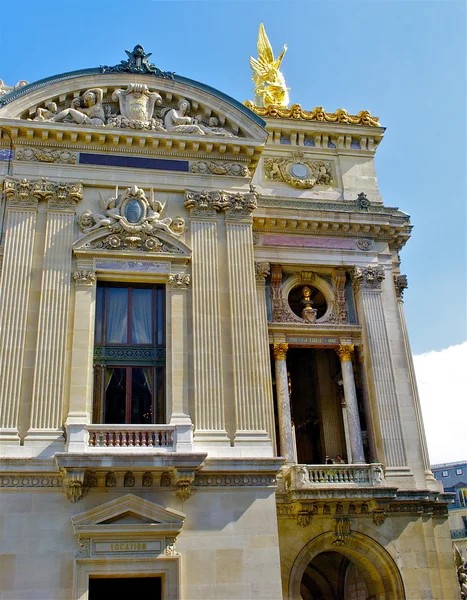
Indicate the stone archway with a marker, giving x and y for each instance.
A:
(381, 574)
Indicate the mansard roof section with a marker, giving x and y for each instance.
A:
(214, 112)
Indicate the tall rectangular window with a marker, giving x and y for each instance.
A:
(129, 354)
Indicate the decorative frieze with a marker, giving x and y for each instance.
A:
(298, 172)
(63, 157)
(367, 278)
(31, 481)
(209, 167)
(234, 480)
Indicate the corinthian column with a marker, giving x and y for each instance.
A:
(283, 402)
(19, 234)
(48, 390)
(250, 392)
(367, 284)
(209, 410)
(353, 420)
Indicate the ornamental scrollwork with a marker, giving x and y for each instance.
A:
(368, 278)
(84, 548)
(170, 549)
(25, 193)
(184, 489)
(362, 202)
(316, 114)
(179, 280)
(62, 157)
(298, 171)
(132, 221)
(208, 203)
(364, 244)
(339, 312)
(341, 531)
(209, 167)
(84, 276)
(401, 284)
(262, 270)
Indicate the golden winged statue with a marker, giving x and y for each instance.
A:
(270, 88)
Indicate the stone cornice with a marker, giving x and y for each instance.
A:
(345, 206)
(130, 141)
(394, 229)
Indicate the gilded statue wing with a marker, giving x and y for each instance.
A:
(265, 53)
(260, 70)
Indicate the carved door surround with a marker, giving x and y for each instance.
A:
(127, 537)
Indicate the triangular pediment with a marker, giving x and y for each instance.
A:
(128, 514)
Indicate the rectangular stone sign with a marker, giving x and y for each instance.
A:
(128, 546)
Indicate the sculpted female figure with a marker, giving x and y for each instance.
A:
(175, 120)
(86, 110)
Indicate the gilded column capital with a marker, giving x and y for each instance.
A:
(66, 196)
(262, 270)
(84, 277)
(240, 206)
(19, 193)
(344, 352)
(280, 351)
(401, 284)
(367, 278)
(179, 280)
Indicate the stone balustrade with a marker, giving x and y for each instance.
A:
(310, 476)
(114, 437)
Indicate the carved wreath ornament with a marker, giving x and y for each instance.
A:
(299, 172)
(132, 220)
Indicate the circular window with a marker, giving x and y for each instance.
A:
(306, 296)
(299, 170)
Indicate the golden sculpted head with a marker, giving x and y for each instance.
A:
(270, 88)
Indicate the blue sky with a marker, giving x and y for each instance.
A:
(403, 60)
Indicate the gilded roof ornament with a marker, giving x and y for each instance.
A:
(138, 63)
(317, 114)
(270, 88)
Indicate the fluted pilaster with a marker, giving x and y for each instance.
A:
(16, 277)
(209, 410)
(247, 349)
(47, 413)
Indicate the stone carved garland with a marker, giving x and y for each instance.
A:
(132, 221)
(136, 107)
(314, 172)
(220, 168)
(62, 157)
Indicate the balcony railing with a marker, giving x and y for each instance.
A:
(311, 476)
(457, 534)
(138, 437)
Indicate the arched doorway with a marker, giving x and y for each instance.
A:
(360, 569)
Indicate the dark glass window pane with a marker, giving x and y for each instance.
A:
(160, 316)
(160, 394)
(142, 383)
(115, 395)
(117, 315)
(141, 316)
(99, 315)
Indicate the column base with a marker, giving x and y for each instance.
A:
(10, 437)
(44, 442)
(253, 444)
(401, 477)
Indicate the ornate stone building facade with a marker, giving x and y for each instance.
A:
(207, 387)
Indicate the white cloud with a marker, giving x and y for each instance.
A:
(442, 385)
